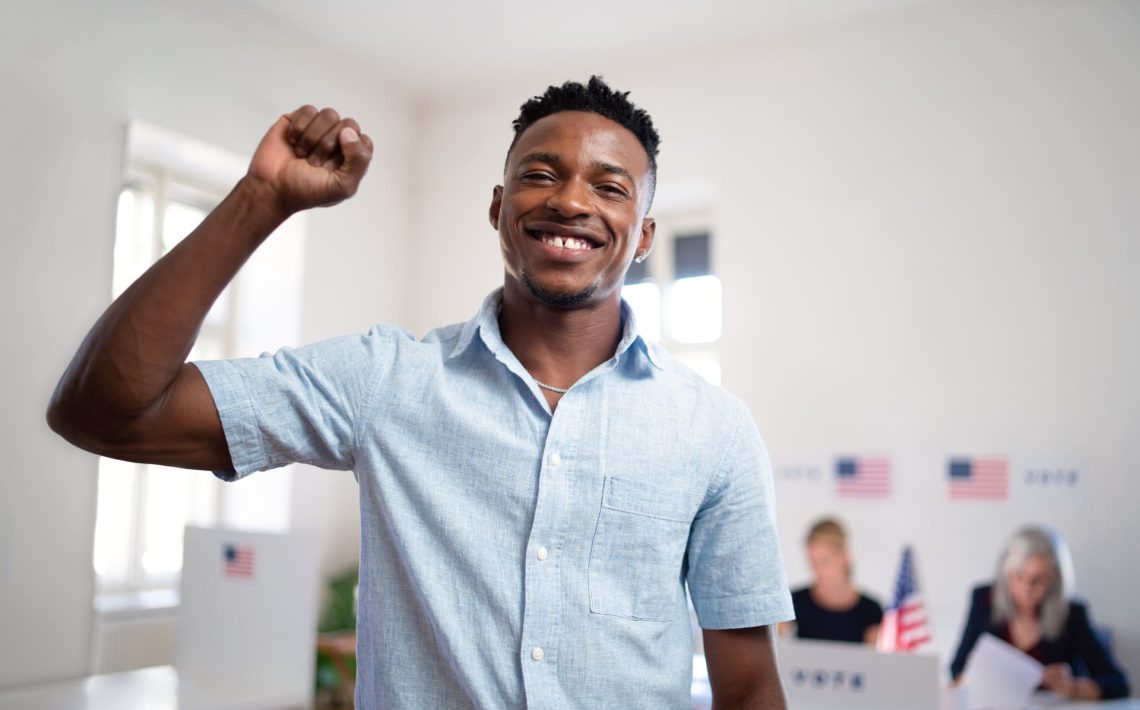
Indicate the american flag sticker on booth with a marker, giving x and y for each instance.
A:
(863, 477)
(978, 478)
(238, 561)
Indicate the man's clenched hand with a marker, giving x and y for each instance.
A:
(311, 158)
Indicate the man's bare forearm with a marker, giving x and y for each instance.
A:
(128, 392)
(136, 349)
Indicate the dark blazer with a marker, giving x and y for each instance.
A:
(1077, 645)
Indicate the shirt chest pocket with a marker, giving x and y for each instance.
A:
(638, 547)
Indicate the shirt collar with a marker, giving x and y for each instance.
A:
(486, 323)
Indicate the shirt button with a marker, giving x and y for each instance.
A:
(537, 653)
(541, 554)
(555, 459)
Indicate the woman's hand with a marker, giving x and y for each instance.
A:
(1058, 677)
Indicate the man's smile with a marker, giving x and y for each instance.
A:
(564, 238)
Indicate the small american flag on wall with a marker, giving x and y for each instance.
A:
(238, 560)
(982, 478)
(863, 476)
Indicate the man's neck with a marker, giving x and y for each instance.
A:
(559, 346)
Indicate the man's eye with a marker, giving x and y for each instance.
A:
(613, 189)
(537, 176)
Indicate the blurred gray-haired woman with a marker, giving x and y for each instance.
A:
(1030, 606)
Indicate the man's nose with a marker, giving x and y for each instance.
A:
(570, 199)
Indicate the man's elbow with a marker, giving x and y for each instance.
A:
(86, 427)
(69, 422)
(62, 417)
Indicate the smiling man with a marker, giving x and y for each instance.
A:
(538, 485)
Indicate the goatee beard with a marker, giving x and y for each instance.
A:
(557, 299)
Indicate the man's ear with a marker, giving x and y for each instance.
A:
(496, 205)
(648, 234)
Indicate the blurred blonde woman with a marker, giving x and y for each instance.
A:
(1029, 606)
(832, 608)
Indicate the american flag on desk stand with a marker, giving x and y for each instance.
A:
(904, 623)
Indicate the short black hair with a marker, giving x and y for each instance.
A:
(595, 96)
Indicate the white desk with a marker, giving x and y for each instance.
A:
(1122, 704)
(155, 688)
(147, 688)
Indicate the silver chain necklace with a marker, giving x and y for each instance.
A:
(551, 388)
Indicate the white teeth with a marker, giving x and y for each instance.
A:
(566, 242)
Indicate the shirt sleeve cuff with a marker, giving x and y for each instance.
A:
(239, 418)
(742, 612)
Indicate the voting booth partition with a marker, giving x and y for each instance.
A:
(825, 675)
(248, 620)
(822, 675)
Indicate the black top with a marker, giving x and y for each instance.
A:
(1078, 645)
(815, 622)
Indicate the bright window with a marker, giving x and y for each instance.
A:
(645, 300)
(171, 183)
(694, 309)
(141, 508)
(677, 299)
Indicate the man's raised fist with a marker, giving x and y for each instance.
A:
(311, 158)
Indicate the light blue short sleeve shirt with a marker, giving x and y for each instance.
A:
(511, 557)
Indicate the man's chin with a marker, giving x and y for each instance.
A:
(559, 298)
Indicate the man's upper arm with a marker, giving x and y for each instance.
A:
(181, 429)
(302, 405)
(742, 669)
(297, 405)
(735, 571)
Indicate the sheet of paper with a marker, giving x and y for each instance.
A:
(999, 677)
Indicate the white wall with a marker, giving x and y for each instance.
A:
(926, 233)
(923, 229)
(71, 75)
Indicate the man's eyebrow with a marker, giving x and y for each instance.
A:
(552, 158)
(613, 170)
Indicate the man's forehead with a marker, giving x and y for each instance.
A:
(572, 134)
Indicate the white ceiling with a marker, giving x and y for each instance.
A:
(434, 46)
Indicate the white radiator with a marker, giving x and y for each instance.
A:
(124, 643)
